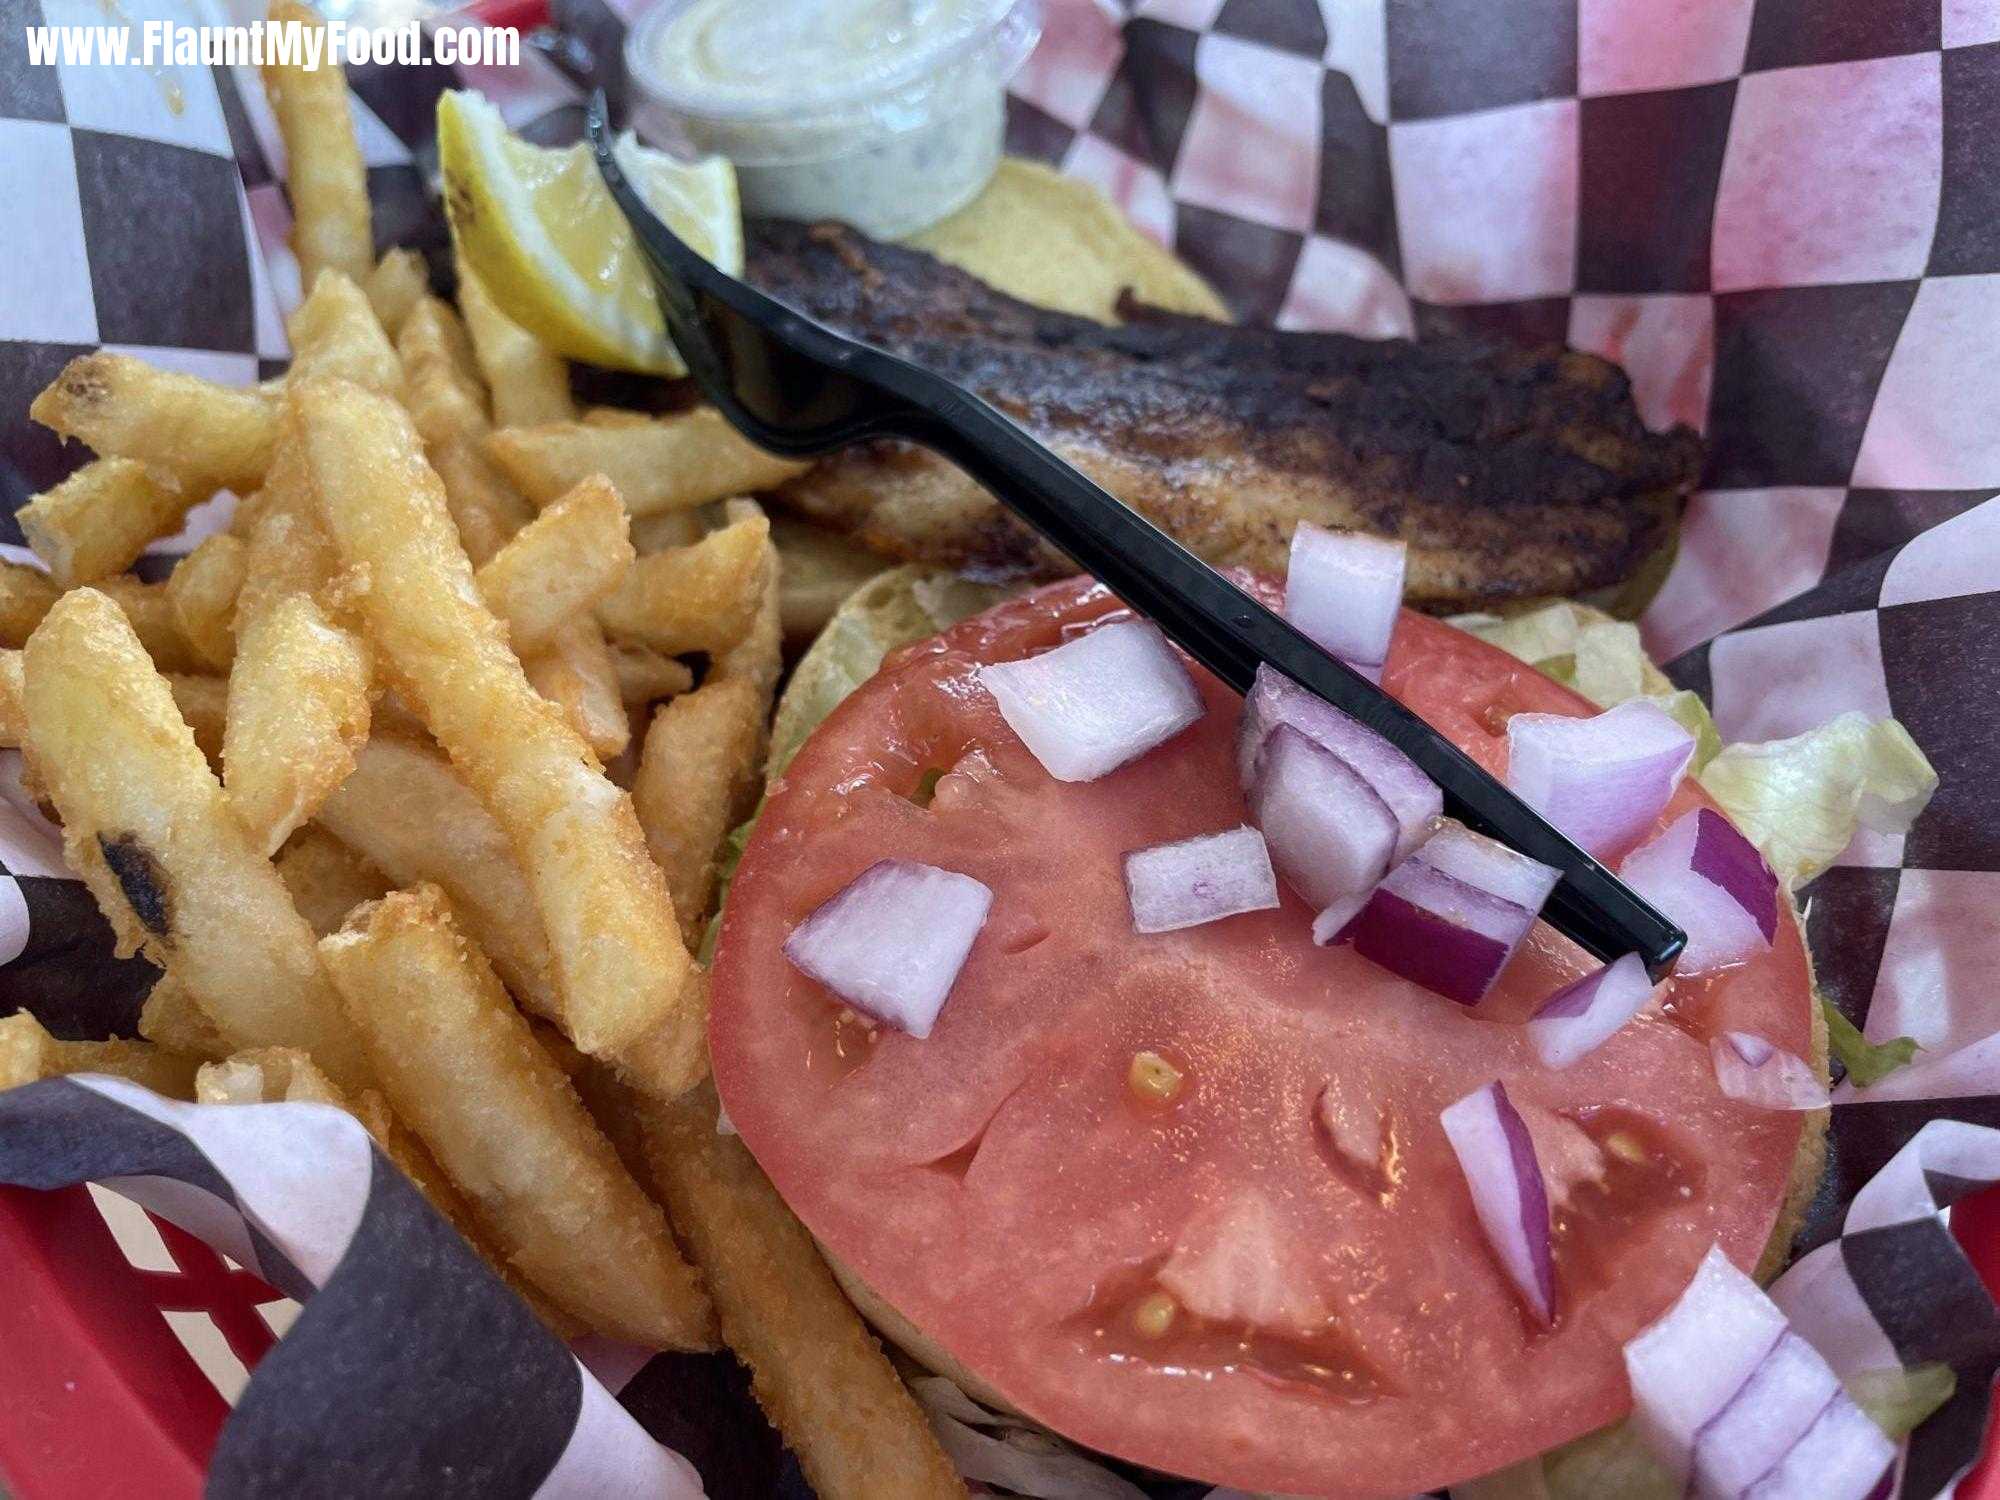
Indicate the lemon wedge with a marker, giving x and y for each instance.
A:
(539, 228)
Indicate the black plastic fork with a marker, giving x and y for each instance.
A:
(799, 389)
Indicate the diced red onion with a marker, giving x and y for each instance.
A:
(1451, 915)
(1094, 703)
(1497, 1155)
(1740, 1406)
(1685, 1367)
(1713, 883)
(1601, 780)
(1411, 795)
(1761, 1423)
(1330, 835)
(1579, 1018)
(1331, 925)
(1199, 880)
(1753, 1071)
(1343, 590)
(1842, 1456)
(892, 941)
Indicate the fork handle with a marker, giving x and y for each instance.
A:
(1231, 634)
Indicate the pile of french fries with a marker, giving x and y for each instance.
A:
(412, 783)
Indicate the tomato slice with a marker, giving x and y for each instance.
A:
(1337, 1323)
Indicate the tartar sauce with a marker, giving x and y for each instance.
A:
(887, 114)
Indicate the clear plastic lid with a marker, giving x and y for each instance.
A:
(774, 81)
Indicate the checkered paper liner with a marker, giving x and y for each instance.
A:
(1780, 216)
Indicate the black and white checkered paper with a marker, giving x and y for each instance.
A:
(1782, 217)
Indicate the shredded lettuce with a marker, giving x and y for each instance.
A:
(1601, 658)
(1801, 800)
(1521, 1481)
(1899, 1400)
(1610, 1461)
(1866, 1062)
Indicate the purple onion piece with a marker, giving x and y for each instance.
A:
(892, 941)
(1842, 1456)
(1411, 796)
(1602, 780)
(1750, 1070)
(1775, 1407)
(1729, 860)
(1331, 837)
(1092, 704)
(1580, 1017)
(1720, 928)
(1198, 880)
(1497, 1156)
(1446, 918)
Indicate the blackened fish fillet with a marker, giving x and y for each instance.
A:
(1510, 472)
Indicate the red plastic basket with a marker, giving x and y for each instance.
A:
(98, 1398)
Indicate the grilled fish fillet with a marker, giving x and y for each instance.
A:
(1510, 472)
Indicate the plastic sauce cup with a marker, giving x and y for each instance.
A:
(884, 114)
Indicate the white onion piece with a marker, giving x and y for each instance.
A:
(1497, 1155)
(1490, 865)
(892, 941)
(1275, 699)
(1766, 1417)
(1330, 835)
(1094, 703)
(1843, 1456)
(1343, 590)
(1579, 1018)
(1712, 882)
(1751, 1070)
(1685, 1367)
(1199, 880)
(1450, 916)
(1601, 780)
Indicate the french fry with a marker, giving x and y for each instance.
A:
(327, 880)
(665, 529)
(758, 655)
(28, 1053)
(13, 713)
(331, 226)
(456, 846)
(98, 521)
(285, 1075)
(201, 593)
(298, 712)
(623, 972)
(146, 824)
(172, 1019)
(815, 1368)
(448, 405)
(529, 384)
(576, 672)
(441, 385)
(25, 596)
(209, 437)
(697, 769)
(267, 1075)
(204, 704)
(664, 463)
(702, 597)
(818, 569)
(454, 1057)
(645, 676)
(151, 615)
(335, 332)
(558, 565)
(395, 286)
